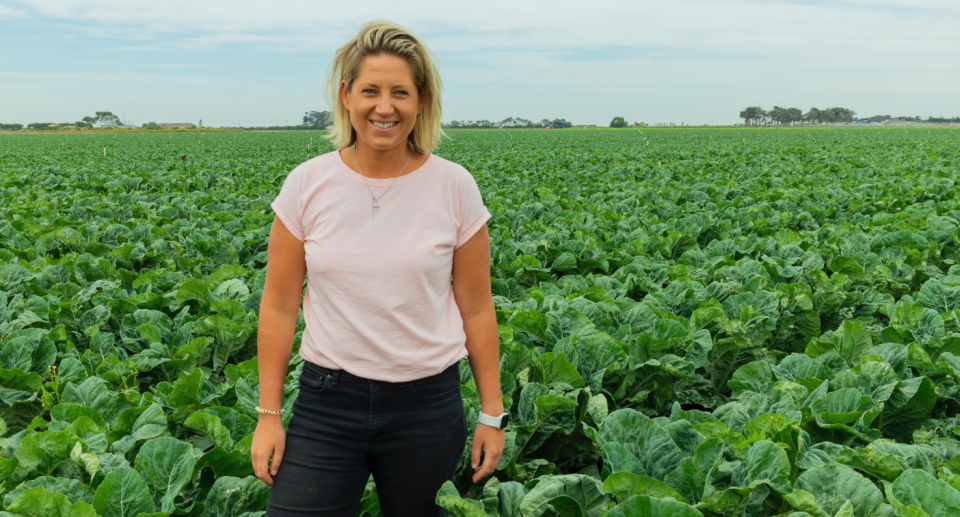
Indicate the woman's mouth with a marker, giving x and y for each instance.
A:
(384, 126)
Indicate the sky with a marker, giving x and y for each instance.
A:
(258, 63)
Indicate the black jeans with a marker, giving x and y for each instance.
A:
(409, 435)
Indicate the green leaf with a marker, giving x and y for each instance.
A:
(832, 485)
(73, 489)
(624, 485)
(93, 393)
(234, 496)
(211, 426)
(18, 386)
(646, 506)
(150, 424)
(38, 502)
(449, 499)
(935, 295)
(43, 452)
(123, 494)
(843, 406)
(166, 465)
(767, 463)
(193, 289)
(553, 370)
(584, 492)
(918, 490)
(643, 438)
(909, 406)
(751, 377)
(219, 462)
(531, 322)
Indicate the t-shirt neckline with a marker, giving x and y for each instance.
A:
(384, 182)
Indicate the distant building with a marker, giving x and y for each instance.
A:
(176, 125)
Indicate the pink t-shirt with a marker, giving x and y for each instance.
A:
(379, 301)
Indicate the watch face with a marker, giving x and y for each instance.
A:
(504, 420)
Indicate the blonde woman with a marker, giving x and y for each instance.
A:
(379, 227)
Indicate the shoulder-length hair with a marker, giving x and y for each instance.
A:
(377, 38)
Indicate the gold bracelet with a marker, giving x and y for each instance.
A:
(270, 411)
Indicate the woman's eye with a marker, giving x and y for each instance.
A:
(402, 92)
(369, 90)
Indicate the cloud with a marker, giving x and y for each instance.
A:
(527, 58)
(830, 29)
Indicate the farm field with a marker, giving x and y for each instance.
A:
(716, 322)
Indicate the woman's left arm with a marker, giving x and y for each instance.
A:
(471, 289)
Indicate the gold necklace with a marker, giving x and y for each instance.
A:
(374, 200)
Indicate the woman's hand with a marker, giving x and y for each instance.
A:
(491, 441)
(269, 439)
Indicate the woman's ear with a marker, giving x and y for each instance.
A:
(343, 95)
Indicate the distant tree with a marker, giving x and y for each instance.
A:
(515, 122)
(795, 115)
(319, 119)
(778, 115)
(105, 119)
(152, 125)
(753, 115)
(560, 123)
(39, 126)
(11, 127)
(200, 124)
(618, 122)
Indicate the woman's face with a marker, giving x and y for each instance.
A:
(383, 94)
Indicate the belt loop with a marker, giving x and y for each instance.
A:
(336, 375)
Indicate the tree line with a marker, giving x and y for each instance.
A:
(104, 119)
(509, 122)
(779, 116)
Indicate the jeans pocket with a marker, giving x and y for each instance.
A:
(310, 383)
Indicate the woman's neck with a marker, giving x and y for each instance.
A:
(377, 164)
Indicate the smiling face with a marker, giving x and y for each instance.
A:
(383, 101)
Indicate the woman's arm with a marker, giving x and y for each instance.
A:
(279, 306)
(471, 289)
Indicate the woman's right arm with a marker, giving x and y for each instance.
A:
(279, 306)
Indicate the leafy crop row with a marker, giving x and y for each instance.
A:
(696, 322)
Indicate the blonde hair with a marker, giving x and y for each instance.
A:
(377, 38)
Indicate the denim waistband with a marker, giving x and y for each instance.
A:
(336, 374)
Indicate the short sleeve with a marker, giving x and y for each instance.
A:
(289, 205)
(473, 214)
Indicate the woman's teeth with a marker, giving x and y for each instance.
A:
(385, 126)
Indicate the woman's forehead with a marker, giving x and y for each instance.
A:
(384, 70)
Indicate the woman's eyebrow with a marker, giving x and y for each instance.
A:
(395, 86)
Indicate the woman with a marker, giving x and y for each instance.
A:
(378, 227)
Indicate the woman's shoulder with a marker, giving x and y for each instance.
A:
(316, 168)
(451, 170)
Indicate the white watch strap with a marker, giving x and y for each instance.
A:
(492, 421)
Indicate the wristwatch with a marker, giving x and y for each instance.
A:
(498, 422)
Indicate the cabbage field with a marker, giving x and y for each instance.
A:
(693, 322)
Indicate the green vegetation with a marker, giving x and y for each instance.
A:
(751, 322)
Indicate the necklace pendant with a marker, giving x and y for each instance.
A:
(376, 206)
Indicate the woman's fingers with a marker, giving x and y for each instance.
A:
(491, 443)
(475, 452)
(262, 468)
(277, 456)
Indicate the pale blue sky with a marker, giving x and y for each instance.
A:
(263, 63)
